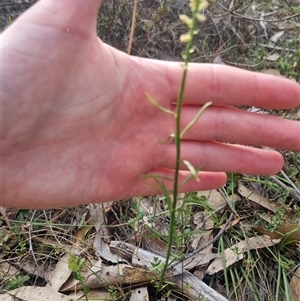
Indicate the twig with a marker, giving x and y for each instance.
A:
(228, 202)
(290, 182)
(210, 215)
(277, 47)
(266, 20)
(289, 189)
(132, 26)
(30, 238)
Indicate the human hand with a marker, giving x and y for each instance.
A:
(77, 126)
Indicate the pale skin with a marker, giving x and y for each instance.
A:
(77, 128)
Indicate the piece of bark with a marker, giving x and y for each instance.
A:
(114, 275)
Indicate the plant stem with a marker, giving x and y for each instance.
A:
(177, 138)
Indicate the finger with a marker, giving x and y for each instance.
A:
(228, 85)
(151, 185)
(237, 126)
(214, 156)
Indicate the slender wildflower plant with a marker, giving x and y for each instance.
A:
(197, 7)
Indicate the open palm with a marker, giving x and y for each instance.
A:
(77, 126)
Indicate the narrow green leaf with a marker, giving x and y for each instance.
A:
(195, 119)
(169, 139)
(157, 105)
(156, 178)
(191, 168)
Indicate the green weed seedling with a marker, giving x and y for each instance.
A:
(76, 265)
(16, 282)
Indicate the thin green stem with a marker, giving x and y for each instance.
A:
(177, 138)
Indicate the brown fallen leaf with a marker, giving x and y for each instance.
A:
(31, 293)
(276, 36)
(271, 72)
(204, 223)
(101, 294)
(233, 223)
(7, 271)
(237, 252)
(139, 294)
(295, 285)
(256, 198)
(273, 57)
(155, 244)
(213, 198)
(72, 283)
(102, 237)
(61, 272)
(290, 232)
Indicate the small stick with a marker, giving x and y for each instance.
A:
(289, 189)
(132, 27)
